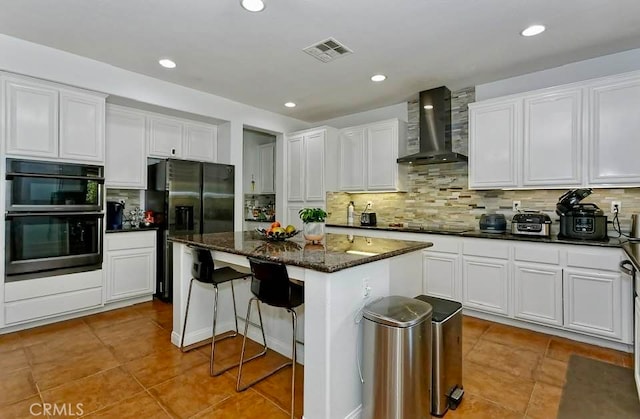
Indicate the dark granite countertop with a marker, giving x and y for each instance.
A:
(462, 232)
(633, 251)
(338, 251)
(129, 229)
(424, 229)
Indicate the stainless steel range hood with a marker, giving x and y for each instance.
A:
(434, 126)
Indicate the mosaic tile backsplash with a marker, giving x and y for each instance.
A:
(438, 195)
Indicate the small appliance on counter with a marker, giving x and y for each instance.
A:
(635, 227)
(531, 223)
(115, 215)
(368, 218)
(580, 221)
(493, 223)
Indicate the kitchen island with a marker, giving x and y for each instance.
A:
(340, 276)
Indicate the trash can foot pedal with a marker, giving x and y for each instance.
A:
(455, 398)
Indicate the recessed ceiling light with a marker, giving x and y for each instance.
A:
(533, 30)
(253, 5)
(167, 63)
(428, 107)
(378, 77)
(290, 105)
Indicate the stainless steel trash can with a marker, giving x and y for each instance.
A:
(446, 335)
(396, 359)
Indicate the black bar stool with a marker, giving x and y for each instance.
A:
(271, 285)
(203, 270)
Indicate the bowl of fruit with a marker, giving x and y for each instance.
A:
(276, 232)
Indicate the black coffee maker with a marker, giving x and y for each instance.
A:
(115, 215)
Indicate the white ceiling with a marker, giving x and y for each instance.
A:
(257, 58)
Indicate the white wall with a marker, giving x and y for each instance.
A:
(380, 114)
(606, 65)
(47, 63)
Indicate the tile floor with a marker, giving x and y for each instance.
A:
(121, 364)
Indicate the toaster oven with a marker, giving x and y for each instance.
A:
(531, 224)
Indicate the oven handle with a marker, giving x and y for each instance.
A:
(627, 267)
(11, 175)
(52, 214)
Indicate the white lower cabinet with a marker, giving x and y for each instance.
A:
(44, 298)
(593, 302)
(538, 293)
(130, 264)
(440, 273)
(485, 284)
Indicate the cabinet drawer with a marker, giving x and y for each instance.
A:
(540, 254)
(42, 287)
(41, 307)
(487, 248)
(131, 240)
(598, 258)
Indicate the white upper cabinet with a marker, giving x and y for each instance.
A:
(32, 118)
(311, 166)
(200, 142)
(165, 137)
(494, 137)
(552, 150)
(181, 139)
(47, 120)
(295, 168)
(314, 166)
(352, 162)
(561, 137)
(266, 155)
(126, 157)
(368, 155)
(614, 106)
(82, 125)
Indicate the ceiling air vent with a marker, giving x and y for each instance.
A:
(327, 50)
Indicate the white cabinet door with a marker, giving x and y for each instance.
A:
(441, 272)
(165, 137)
(613, 144)
(82, 126)
(538, 293)
(494, 138)
(200, 142)
(130, 273)
(352, 159)
(382, 146)
(32, 119)
(485, 284)
(553, 139)
(314, 166)
(126, 157)
(593, 302)
(292, 216)
(295, 169)
(266, 155)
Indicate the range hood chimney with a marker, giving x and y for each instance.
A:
(434, 126)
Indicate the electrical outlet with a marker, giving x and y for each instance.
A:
(370, 204)
(616, 206)
(366, 288)
(516, 206)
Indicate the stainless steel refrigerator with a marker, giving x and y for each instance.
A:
(187, 198)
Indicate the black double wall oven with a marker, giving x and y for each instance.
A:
(53, 223)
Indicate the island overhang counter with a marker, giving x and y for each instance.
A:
(340, 276)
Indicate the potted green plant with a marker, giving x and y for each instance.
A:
(313, 223)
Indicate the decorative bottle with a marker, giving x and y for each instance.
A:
(350, 210)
